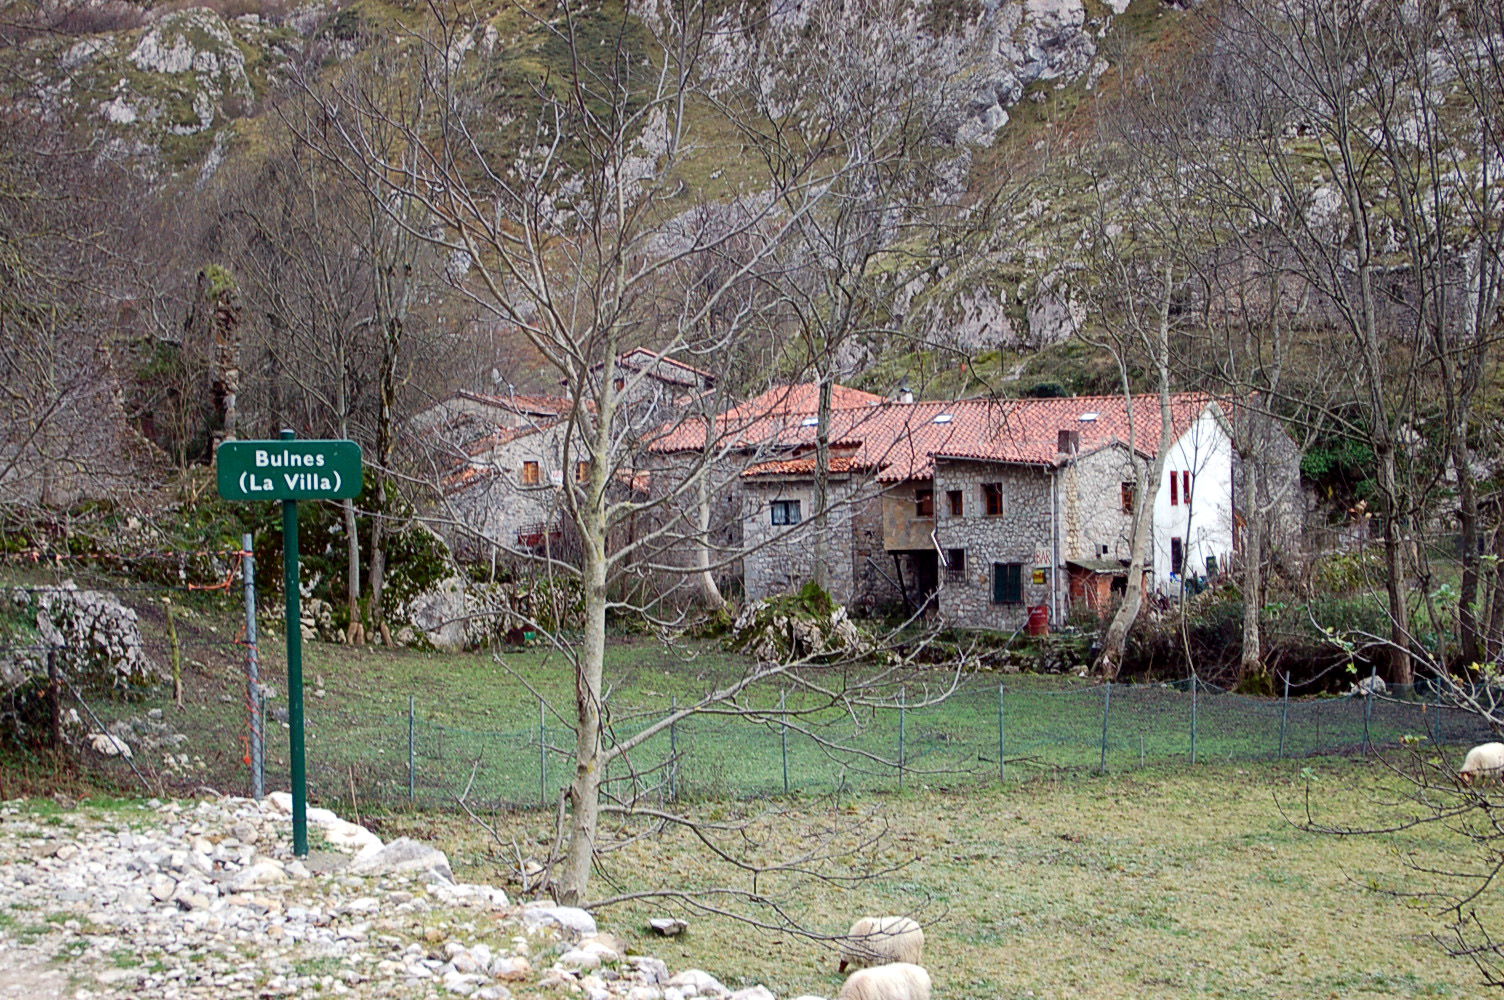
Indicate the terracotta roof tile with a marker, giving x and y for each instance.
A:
(466, 477)
(761, 420)
(803, 466)
(903, 439)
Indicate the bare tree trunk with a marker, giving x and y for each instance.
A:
(1115, 641)
(1470, 646)
(355, 633)
(1251, 662)
(584, 790)
(710, 594)
(1401, 667)
(385, 420)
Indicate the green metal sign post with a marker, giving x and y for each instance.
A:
(290, 470)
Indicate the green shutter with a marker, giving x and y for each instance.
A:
(1007, 583)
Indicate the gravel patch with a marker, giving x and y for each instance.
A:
(203, 899)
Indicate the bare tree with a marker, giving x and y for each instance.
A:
(65, 286)
(1361, 144)
(570, 218)
(1133, 252)
(332, 283)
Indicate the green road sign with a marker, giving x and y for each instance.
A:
(288, 470)
(291, 470)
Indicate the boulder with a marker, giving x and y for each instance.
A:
(568, 918)
(404, 856)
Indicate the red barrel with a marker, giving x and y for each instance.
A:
(1039, 620)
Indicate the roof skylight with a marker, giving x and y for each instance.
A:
(1089, 416)
(944, 418)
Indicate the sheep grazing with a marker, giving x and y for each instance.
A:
(894, 981)
(1483, 763)
(877, 940)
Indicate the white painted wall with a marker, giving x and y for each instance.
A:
(1205, 525)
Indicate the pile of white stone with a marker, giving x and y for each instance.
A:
(204, 899)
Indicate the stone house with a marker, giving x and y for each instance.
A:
(502, 461)
(505, 495)
(982, 509)
(721, 449)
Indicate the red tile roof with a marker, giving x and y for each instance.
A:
(505, 435)
(467, 476)
(902, 440)
(760, 420)
(804, 466)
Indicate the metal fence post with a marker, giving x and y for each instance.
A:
(542, 753)
(783, 738)
(1195, 684)
(1000, 773)
(673, 755)
(253, 668)
(1106, 712)
(412, 751)
(1284, 717)
(902, 725)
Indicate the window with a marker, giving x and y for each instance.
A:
(1128, 491)
(532, 475)
(1180, 488)
(955, 565)
(1007, 583)
(957, 504)
(582, 471)
(992, 499)
(924, 503)
(1177, 555)
(785, 511)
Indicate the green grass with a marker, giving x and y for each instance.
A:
(477, 723)
(1163, 882)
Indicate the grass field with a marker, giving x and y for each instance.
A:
(1157, 878)
(1158, 883)
(477, 723)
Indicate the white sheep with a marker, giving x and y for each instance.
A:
(876, 940)
(1483, 763)
(894, 981)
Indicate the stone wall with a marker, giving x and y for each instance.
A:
(1094, 524)
(1021, 534)
(498, 504)
(780, 559)
(677, 512)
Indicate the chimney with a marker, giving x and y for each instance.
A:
(1070, 442)
(905, 394)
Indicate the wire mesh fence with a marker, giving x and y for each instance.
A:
(991, 729)
(986, 732)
